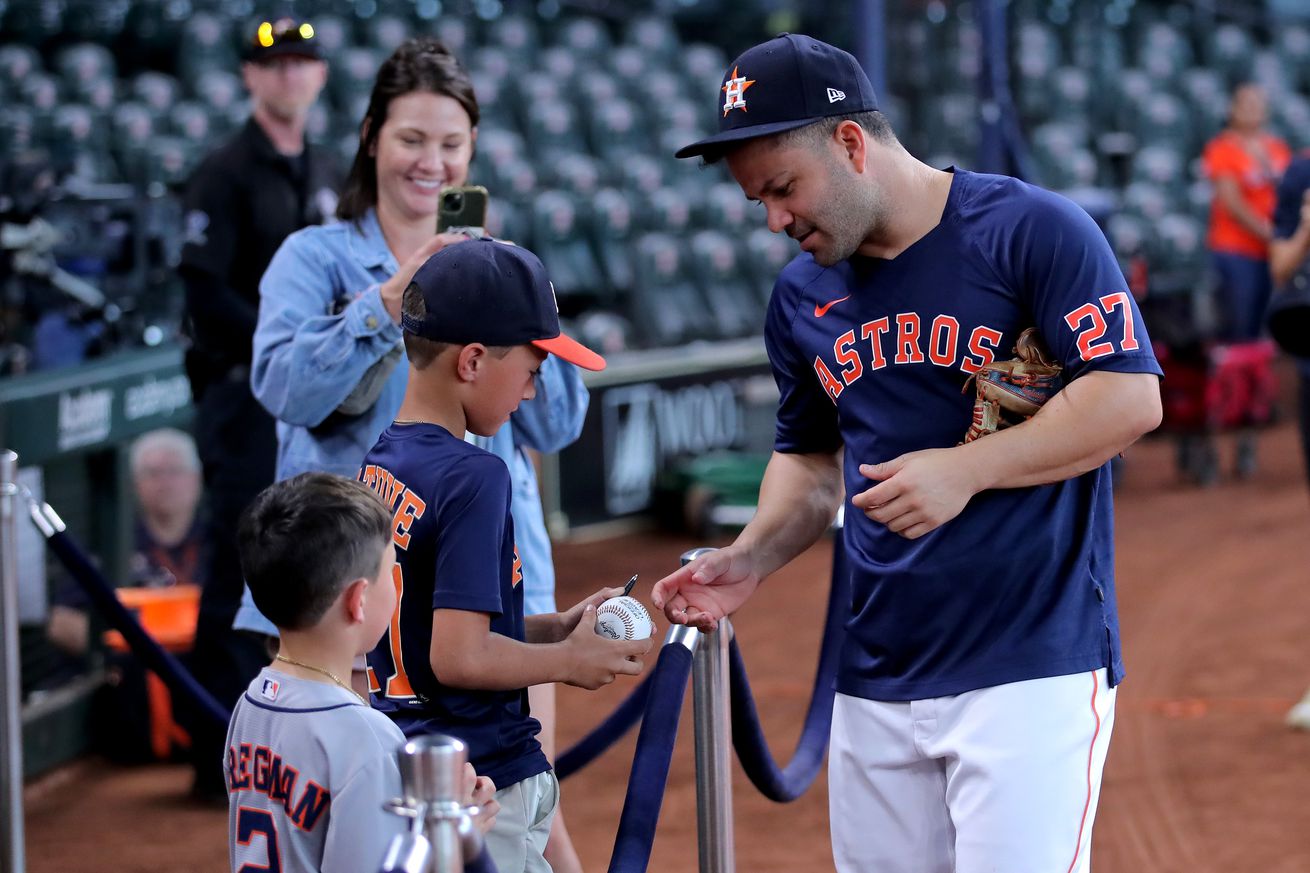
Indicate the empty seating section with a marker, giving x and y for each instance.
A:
(581, 116)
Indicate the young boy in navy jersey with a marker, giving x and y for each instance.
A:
(308, 763)
(478, 319)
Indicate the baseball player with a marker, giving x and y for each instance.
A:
(977, 678)
(308, 763)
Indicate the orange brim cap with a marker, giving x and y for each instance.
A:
(569, 349)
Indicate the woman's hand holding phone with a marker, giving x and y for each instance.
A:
(393, 290)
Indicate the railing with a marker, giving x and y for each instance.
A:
(440, 837)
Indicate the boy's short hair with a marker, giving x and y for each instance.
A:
(421, 351)
(304, 539)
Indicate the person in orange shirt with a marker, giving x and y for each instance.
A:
(1244, 162)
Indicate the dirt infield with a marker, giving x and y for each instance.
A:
(1202, 776)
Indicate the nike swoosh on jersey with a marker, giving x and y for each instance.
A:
(821, 310)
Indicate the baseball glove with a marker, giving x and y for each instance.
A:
(1010, 392)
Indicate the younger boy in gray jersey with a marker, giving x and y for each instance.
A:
(309, 763)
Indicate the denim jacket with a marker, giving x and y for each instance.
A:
(322, 325)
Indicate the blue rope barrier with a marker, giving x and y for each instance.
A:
(650, 762)
(178, 680)
(605, 734)
(786, 784)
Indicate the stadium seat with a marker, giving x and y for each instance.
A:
(666, 306)
(190, 120)
(518, 35)
(158, 91)
(615, 130)
(768, 253)
(553, 126)
(508, 222)
(672, 210)
(17, 129)
(655, 36)
(559, 239)
(1229, 50)
(643, 174)
(578, 173)
(223, 92)
(1163, 53)
(81, 65)
(734, 305)
(384, 33)
(351, 73)
(727, 210)
(586, 37)
(613, 226)
(704, 65)
(455, 34)
(332, 33)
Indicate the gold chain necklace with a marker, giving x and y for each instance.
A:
(326, 673)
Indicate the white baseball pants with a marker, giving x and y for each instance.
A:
(999, 779)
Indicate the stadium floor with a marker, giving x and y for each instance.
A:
(1202, 777)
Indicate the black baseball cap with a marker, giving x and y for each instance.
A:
(788, 82)
(494, 293)
(281, 37)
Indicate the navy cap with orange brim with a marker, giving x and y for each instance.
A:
(494, 293)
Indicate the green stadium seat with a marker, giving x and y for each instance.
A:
(507, 221)
(704, 65)
(579, 174)
(666, 305)
(332, 33)
(34, 22)
(385, 32)
(1230, 51)
(17, 129)
(1293, 45)
(616, 131)
(455, 34)
(351, 73)
(518, 35)
(81, 65)
(671, 210)
(553, 125)
(768, 253)
(613, 227)
(191, 121)
(1163, 53)
(223, 92)
(559, 238)
(586, 37)
(655, 36)
(734, 307)
(79, 147)
(643, 174)
(159, 91)
(94, 21)
(1147, 200)
(726, 209)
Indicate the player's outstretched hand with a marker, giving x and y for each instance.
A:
(393, 290)
(568, 620)
(597, 660)
(480, 791)
(712, 586)
(917, 492)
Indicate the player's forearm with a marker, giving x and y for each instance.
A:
(1093, 419)
(798, 500)
(1287, 255)
(1231, 197)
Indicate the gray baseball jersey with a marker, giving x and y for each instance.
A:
(308, 769)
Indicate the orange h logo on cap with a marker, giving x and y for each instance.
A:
(735, 91)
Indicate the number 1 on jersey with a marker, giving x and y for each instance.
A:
(398, 682)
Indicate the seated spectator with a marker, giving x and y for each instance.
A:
(167, 539)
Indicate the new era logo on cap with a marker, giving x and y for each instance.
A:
(794, 80)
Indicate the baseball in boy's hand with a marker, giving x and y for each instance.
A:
(623, 618)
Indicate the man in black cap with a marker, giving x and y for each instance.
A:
(976, 685)
(241, 202)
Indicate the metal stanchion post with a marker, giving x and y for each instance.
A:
(713, 730)
(11, 726)
(442, 834)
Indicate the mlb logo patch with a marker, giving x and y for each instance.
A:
(270, 689)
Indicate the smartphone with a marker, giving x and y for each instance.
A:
(462, 207)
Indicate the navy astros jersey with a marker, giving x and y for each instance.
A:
(874, 355)
(454, 550)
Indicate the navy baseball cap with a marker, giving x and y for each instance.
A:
(281, 37)
(788, 82)
(494, 293)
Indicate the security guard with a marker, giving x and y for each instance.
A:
(242, 201)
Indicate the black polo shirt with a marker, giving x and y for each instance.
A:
(241, 202)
